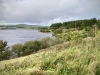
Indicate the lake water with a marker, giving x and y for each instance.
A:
(21, 36)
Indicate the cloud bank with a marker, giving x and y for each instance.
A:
(46, 12)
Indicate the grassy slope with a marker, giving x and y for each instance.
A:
(73, 58)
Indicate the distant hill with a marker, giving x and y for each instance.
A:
(22, 26)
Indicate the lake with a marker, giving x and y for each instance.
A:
(21, 36)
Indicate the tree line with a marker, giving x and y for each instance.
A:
(27, 48)
(88, 25)
(80, 24)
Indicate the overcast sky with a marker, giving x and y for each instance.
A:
(46, 12)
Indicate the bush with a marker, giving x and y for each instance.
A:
(4, 50)
(44, 30)
(17, 49)
(46, 42)
(58, 31)
(31, 46)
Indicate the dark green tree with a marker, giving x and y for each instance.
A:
(4, 50)
(31, 46)
(55, 25)
(17, 50)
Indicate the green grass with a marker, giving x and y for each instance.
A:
(70, 58)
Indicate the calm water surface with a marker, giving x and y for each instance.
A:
(21, 36)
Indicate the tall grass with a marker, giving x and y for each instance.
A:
(70, 58)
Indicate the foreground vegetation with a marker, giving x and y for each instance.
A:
(70, 58)
(29, 47)
(75, 52)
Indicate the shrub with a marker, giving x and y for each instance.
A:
(44, 30)
(31, 46)
(58, 31)
(4, 50)
(46, 42)
(17, 49)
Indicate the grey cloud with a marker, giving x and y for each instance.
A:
(47, 11)
(1, 9)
